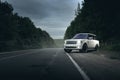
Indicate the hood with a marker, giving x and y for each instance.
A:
(73, 39)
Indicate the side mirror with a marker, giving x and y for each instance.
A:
(90, 38)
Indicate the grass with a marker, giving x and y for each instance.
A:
(113, 47)
(110, 51)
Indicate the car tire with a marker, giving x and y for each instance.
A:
(67, 50)
(85, 48)
(96, 47)
(80, 50)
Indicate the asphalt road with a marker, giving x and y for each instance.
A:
(55, 64)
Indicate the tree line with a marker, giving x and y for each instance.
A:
(101, 17)
(17, 32)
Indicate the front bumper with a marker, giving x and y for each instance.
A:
(73, 47)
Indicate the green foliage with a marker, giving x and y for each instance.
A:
(18, 32)
(100, 17)
(115, 47)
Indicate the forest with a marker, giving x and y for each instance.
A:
(101, 17)
(18, 33)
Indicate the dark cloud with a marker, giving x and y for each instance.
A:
(52, 15)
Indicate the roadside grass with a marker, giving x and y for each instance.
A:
(113, 47)
(110, 51)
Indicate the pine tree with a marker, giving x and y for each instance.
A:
(78, 10)
(101, 17)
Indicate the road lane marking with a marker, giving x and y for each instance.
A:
(83, 74)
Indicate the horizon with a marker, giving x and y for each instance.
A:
(53, 17)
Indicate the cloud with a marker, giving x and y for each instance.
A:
(56, 15)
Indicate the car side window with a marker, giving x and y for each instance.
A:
(94, 37)
(90, 37)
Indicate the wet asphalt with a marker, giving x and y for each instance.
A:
(54, 64)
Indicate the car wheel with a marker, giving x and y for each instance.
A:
(96, 47)
(85, 48)
(67, 50)
(80, 51)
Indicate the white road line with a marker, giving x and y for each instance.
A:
(83, 74)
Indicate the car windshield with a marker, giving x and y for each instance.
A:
(80, 36)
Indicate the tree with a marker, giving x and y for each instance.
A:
(17, 32)
(78, 10)
(100, 17)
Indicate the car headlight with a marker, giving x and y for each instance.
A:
(78, 42)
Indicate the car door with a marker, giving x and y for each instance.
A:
(93, 42)
(90, 41)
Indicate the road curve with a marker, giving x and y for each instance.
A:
(55, 64)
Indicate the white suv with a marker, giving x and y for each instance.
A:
(82, 42)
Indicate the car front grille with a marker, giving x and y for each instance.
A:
(71, 42)
(70, 47)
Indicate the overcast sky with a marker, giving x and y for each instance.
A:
(54, 16)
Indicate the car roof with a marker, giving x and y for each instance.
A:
(87, 34)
